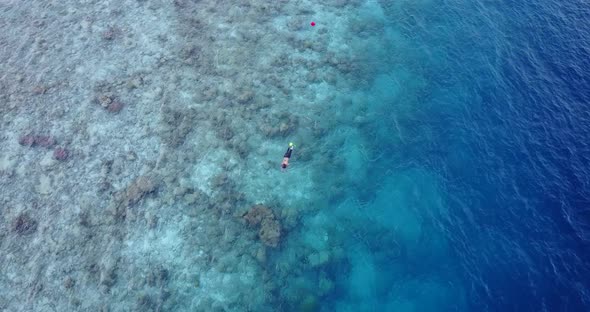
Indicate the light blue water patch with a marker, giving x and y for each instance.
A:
(315, 235)
(354, 155)
(361, 282)
(393, 242)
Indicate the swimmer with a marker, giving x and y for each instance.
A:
(286, 157)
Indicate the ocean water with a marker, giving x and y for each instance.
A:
(440, 162)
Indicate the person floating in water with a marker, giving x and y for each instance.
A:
(286, 157)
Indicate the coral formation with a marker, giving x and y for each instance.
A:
(69, 282)
(105, 99)
(256, 214)
(109, 102)
(38, 90)
(115, 107)
(61, 153)
(158, 276)
(132, 194)
(110, 33)
(45, 141)
(26, 140)
(37, 140)
(23, 224)
(269, 227)
(177, 124)
(108, 276)
(245, 97)
(140, 187)
(270, 232)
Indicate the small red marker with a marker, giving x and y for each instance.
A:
(312, 24)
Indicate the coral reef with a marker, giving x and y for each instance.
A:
(269, 227)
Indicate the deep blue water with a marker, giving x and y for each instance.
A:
(479, 199)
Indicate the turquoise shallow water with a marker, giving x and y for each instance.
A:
(440, 159)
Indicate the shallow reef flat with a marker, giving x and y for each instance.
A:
(137, 137)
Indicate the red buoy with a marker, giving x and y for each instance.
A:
(312, 24)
